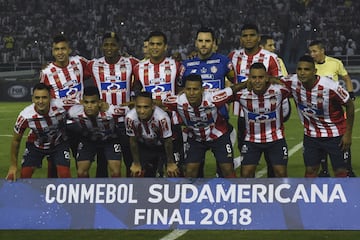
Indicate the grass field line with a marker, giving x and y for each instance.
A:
(174, 234)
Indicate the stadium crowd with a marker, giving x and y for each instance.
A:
(26, 28)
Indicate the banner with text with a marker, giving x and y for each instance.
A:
(179, 203)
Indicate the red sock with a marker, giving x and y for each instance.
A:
(308, 175)
(341, 174)
(232, 175)
(26, 172)
(63, 172)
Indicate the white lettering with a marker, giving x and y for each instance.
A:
(92, 193)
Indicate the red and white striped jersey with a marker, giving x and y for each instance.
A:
(320, 108)
(113, 80)
(151, 132)
(263, 113)
(99, 128)
(66, 82)
(242, 62)
(46, 131)
(204, 123)
(160, 79)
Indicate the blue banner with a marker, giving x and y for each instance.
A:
(178, 203)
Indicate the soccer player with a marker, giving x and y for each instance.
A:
(320, 102)
(46, 119)
(66, 77)
(145, 49)
(149, 128)
(242, 59)
(97, 131)
(159, 75)
(113, 74)
(207, 129)
(67, 73)
(264, 130)
(215, 69)
(268, 43)
(333, 68)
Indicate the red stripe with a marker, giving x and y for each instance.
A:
(146, 74)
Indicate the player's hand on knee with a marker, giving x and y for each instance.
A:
(136, 170)
(172, 170)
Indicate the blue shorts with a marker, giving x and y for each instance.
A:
(88, 149)
(221, 148)
(33, 156)
(152, 158)
(276, 151)
(314, 149)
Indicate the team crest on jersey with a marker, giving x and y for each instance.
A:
(272, 100)
(123, 69)
(167, 71)
(213, 69)
(320, 99)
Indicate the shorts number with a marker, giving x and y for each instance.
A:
(285, 150)
(117, 148)
(228, 148)
(66, 154)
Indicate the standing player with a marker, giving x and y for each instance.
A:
(320, 102)
(112, 74)
(214, 69)
(268, 43)
(46, 119)
(149, 128)
(66, 74)
(208, 129)
(159, 75)
(66, 77)
(264, 123)
(145, 49)
(332, 68)
(242, 59)
(97, 131)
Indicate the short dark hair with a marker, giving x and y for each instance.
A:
(42, 86)
(144, 94)
(91, 91)
(158, 34)
(194, 77)
(317, 43)
(251, 26)
(111, 35)
(307, 58)
(59, 38)
(257, 65)
(206, 30)
(264, 38)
